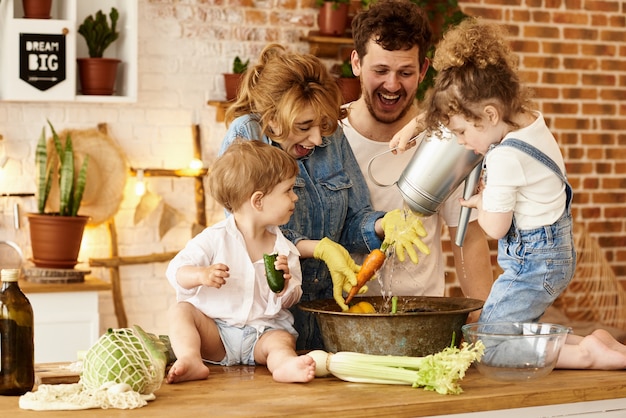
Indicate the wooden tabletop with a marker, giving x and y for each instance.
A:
(250, 391)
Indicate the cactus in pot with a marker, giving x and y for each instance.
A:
(98, 74)
(97, 32)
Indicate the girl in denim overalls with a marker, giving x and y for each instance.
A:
(525, 199)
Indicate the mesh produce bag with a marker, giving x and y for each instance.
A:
(128, 356)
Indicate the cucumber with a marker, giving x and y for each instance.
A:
(275, 278)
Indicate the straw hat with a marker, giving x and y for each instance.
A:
(106, 173)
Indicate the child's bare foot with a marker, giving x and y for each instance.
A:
(295, 369)
(182, 371)
(597, 351)
(610, 341)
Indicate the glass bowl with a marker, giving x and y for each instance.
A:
(517, 351)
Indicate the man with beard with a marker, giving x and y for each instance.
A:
(391, 40)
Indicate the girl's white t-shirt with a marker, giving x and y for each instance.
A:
(517, 182)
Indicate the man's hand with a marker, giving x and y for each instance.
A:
(404, 230)
(342, 268)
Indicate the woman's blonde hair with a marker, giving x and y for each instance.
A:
(281, 86)
(246, 167)
(475, 67)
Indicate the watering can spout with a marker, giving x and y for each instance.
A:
(470, 187)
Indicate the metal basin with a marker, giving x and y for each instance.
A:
(423, 325)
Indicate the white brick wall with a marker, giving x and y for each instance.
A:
(184, 47)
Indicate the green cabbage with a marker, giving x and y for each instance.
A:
(126, 355)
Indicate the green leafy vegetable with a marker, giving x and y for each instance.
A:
(439, 372)
(126, 355)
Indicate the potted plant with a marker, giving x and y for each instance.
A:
(37, 9)
(333, 16)
(97, 74)
(56, 230)
(233, 80)
(349, 84)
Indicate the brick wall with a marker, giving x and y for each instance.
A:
(572, 53)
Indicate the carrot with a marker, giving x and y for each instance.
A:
(372, 263)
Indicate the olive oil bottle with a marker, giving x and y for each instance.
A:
(17, 350)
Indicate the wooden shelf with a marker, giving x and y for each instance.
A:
(90, 284)
(328, 46)
(60, 83)
(221, 106)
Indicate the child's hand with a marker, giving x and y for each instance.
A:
(282, 264)
(215, 275)
(473, 202)
(401, 141)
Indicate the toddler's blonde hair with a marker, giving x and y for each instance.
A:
(246, 167)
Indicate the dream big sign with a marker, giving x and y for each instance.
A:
(42, 59)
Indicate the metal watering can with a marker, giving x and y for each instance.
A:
(438, 167)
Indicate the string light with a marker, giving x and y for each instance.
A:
(196, 164)
(140, 184)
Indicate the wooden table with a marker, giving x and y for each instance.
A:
(250, 391)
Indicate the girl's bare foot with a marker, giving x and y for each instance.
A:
(182, 371)
(295, 369)
(610, 341)
(597, 351)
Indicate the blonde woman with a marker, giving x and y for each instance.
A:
(291, 101)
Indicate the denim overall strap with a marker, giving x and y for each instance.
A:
(543, 158)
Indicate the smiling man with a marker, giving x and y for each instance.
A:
(391, 40)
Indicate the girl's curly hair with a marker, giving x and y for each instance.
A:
(476, 66)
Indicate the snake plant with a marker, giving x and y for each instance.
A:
(71, 184)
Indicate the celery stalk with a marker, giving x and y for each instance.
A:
(439, 372)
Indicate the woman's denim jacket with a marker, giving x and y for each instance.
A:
(333, 202)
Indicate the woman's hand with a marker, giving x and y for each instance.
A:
(404, 230)
(342, 268)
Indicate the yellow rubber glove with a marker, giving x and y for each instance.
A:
(404, 230)
(342, 268)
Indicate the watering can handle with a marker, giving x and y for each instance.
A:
(369, 164)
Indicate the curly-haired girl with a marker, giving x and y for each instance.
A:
(525, 198)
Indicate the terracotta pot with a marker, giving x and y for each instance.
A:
(350, 88)
(333, 19)
(55, 240)
(97, 75)
(231, 84)
(37, 9)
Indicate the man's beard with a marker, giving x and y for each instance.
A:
(386, 119)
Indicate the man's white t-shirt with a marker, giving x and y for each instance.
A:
(427, 278)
